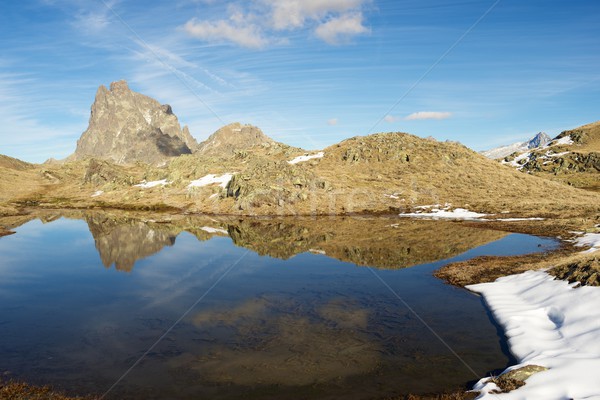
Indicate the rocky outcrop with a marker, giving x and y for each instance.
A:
(233, 138)
(126, 127)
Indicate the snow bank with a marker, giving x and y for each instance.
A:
(589, 239)
(436, 213)
(562, 141)
(306, 158)
(146, 185)
(97, 193)
(549, 323)
(317, 251)
(210, 179)
(515, 162)
(516, 219)
(210, 229)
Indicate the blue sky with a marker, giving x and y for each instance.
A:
(307, 72)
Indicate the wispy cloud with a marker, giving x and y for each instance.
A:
(390, 118)
(263, 22)
(428, 115)
(240, 32)
(332, 121)
(341, 28)
(292, 14)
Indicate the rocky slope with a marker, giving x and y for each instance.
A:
(126, 126)
(573, 157)
(144, 161)
(539, 140)
(232, 139)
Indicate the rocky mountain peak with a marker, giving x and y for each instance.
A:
(233, 137)
(126, 127)
(539, 140)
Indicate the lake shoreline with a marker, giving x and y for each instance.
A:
(477, 270)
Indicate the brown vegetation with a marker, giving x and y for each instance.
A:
(13, 390)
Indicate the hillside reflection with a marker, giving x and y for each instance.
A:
(123, 238)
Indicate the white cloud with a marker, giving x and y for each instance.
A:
(287, 14)
(337, 29)
(258, 23)
(332, 121)
(428, 115)
(390, 118)
(235, 30)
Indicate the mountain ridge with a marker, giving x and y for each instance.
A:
(239, 170)
(538, 140)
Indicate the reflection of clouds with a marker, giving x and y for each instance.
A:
(26, 255)
(283, 341)
(177, 271)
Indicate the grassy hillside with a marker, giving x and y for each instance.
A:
(386, 173)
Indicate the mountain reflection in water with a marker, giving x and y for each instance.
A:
(302, 323)
(388, 243)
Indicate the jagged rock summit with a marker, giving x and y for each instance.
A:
(233, 137)
(539, 140)
(126, 126)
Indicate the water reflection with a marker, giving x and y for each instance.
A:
(293, 325)
(389, 243)
(122, 241)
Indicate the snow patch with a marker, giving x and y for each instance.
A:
(210, 229)
(549, 323)
(306, 157)
(97, 193)
(589, 239)
(515, 161)
(210, 179)
(437, 213)
(562, 141)
(515, 219)
(317, 251)
(146, 185)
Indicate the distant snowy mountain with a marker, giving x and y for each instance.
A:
(539, 140)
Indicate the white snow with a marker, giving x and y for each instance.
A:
(557, 154)
(515, 162)
(549, 323)
(562, 141)
(515, 219)
(210, 229)
(97, 193)
(501, 152)
(394, 196)
(146, 185)
(210, 179)
(306, 157)
(436, 213)
(589, 239)
(317, 251)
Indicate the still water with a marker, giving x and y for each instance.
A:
(174, 307)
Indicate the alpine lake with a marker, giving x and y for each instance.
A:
(153, 306)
